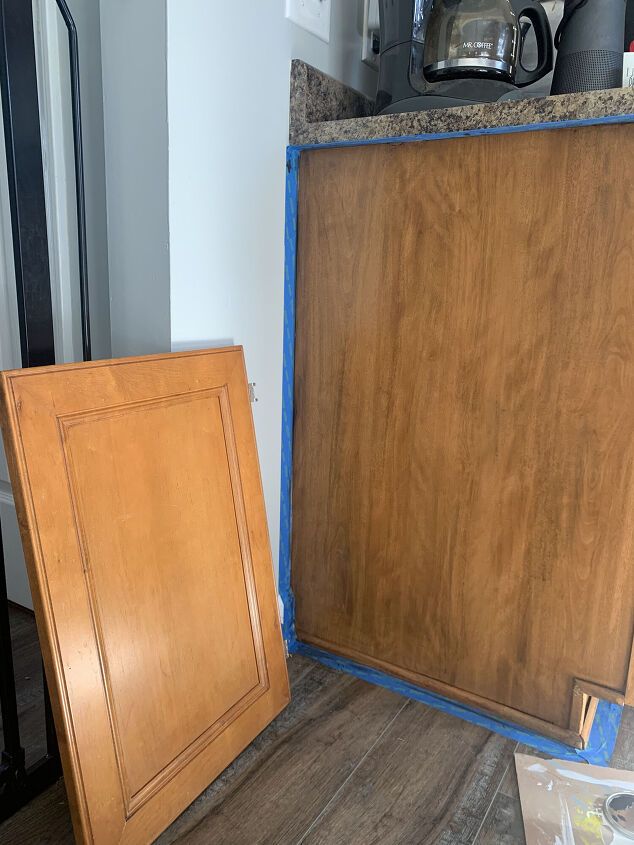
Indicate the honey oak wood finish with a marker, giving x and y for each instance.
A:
(142, 516)
(463, 494)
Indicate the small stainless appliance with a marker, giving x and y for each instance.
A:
(438, 53)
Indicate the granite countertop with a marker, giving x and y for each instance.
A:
(324, 111)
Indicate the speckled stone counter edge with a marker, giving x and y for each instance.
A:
(324, 111)
(318, 99)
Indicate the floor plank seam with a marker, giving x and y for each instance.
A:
(495, 795)
(342, 786)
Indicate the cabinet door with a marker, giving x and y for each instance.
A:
(142, 515)
(463, 499)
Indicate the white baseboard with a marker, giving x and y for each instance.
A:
(280, 607)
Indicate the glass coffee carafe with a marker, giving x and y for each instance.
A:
(471, 36)
(479, 39)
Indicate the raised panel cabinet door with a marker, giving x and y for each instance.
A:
(142, 517)
(463, 460)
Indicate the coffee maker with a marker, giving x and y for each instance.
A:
(441, 53)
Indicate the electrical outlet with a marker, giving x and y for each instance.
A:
(369, 51)
(311, 15)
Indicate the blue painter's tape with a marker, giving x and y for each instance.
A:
(607, 720)
(470, 133)
(601, 741)
(290, 256)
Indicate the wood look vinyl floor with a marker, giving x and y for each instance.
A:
(347, 763)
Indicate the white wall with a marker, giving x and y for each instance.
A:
(228, 90)
(134, 71)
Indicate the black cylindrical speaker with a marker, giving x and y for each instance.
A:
(629, 24)
(590, 46)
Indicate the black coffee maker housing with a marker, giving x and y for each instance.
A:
(410, 81)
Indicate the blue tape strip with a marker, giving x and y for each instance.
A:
(600, 744)
(290, 256)
(469, 133)
(607, 720)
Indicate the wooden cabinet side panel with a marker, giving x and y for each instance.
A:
(463, 493)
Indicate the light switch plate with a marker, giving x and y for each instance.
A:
(311, 15)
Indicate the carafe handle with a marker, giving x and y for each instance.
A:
(534, 11)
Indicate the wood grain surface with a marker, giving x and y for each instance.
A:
(427, 779)
(141, 510)
(277, 800)
(463, 493)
